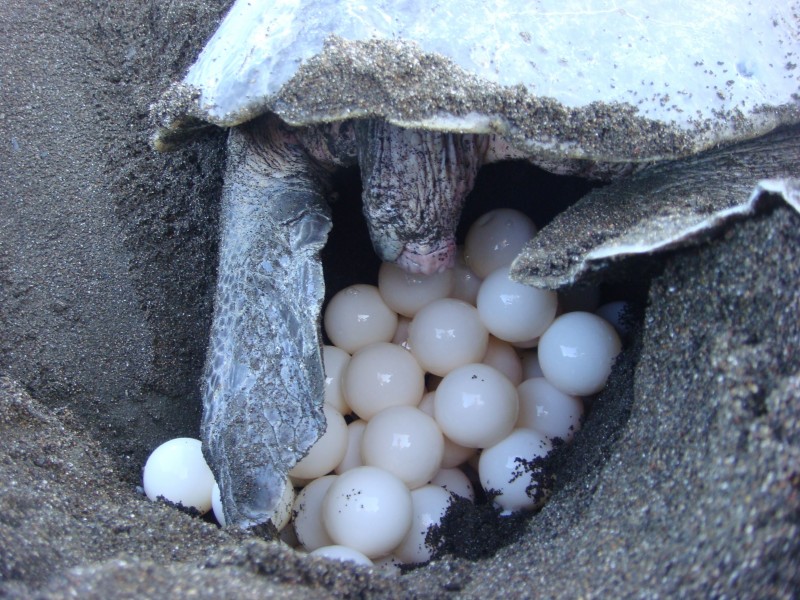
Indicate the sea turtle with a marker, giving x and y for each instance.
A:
(420, 95)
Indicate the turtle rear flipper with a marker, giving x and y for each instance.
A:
(263, 385)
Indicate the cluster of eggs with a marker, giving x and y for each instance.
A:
(428, 373)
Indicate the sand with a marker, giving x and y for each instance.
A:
(683, 481)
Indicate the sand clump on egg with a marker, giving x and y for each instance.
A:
(437, 408)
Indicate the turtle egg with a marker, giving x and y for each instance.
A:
(283, 512)
(352, 456)
(512, 311)
(455, 482)
(466, 284)
(446, 334)
(357, 316)
(502, 356)
(335, 360)
(327, 451)
(430, 503)
(406, 293)
(530, 365)
(401, 333)
(495, 239)
(367, 509)
(548, 410)
(406, 442)
(476, 406)
(216, 505)
(380, 376)
(342, 553)
(612, 312)
(510, 469)
(577, 351)
(307, 511)
(177, 471)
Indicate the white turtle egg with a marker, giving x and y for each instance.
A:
(502, 356)
(426, 404)
(335, 360)
(388, 564)
(367, 509)
(357, 316)
(466, 284)
(352, 455)
(446, 334)
(283, 512)
(307, 511)
(548, 410)
(406, 293)
(455, 454)
(456, 482)
(476, 405)
(216, 504)
(430, 503)
(530, 365)
(512, 311)
(612, 312)
(495, 239)
(509, 468)
(177, 471)
(327, 451)
(342, 553)
(406, 442)
(528, 344)
(577, 351)
(401, 333)
(382, 375)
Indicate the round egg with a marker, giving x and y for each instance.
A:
(405, 293)
(430, 503)
(465, 283)
(335, 360)
(577, 351)
(283, 512)
(357, 316)
(613, 312)
(512, 470)
(456, 482)
(342, 553)
(502, 356)
(367, 509)
(447, 334)
(177, 471)
(530, 365)
(548, 410)
(216, 504)
(328, 451)
(406, 442)
(382, 375)
(495, 239)
(476, 406)
(352, 455)
(512, 311)
(307, 514)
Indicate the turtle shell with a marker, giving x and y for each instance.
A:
(559, 79)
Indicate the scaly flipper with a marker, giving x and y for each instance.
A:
(263, 385)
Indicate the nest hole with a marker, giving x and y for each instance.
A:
(470, 530)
